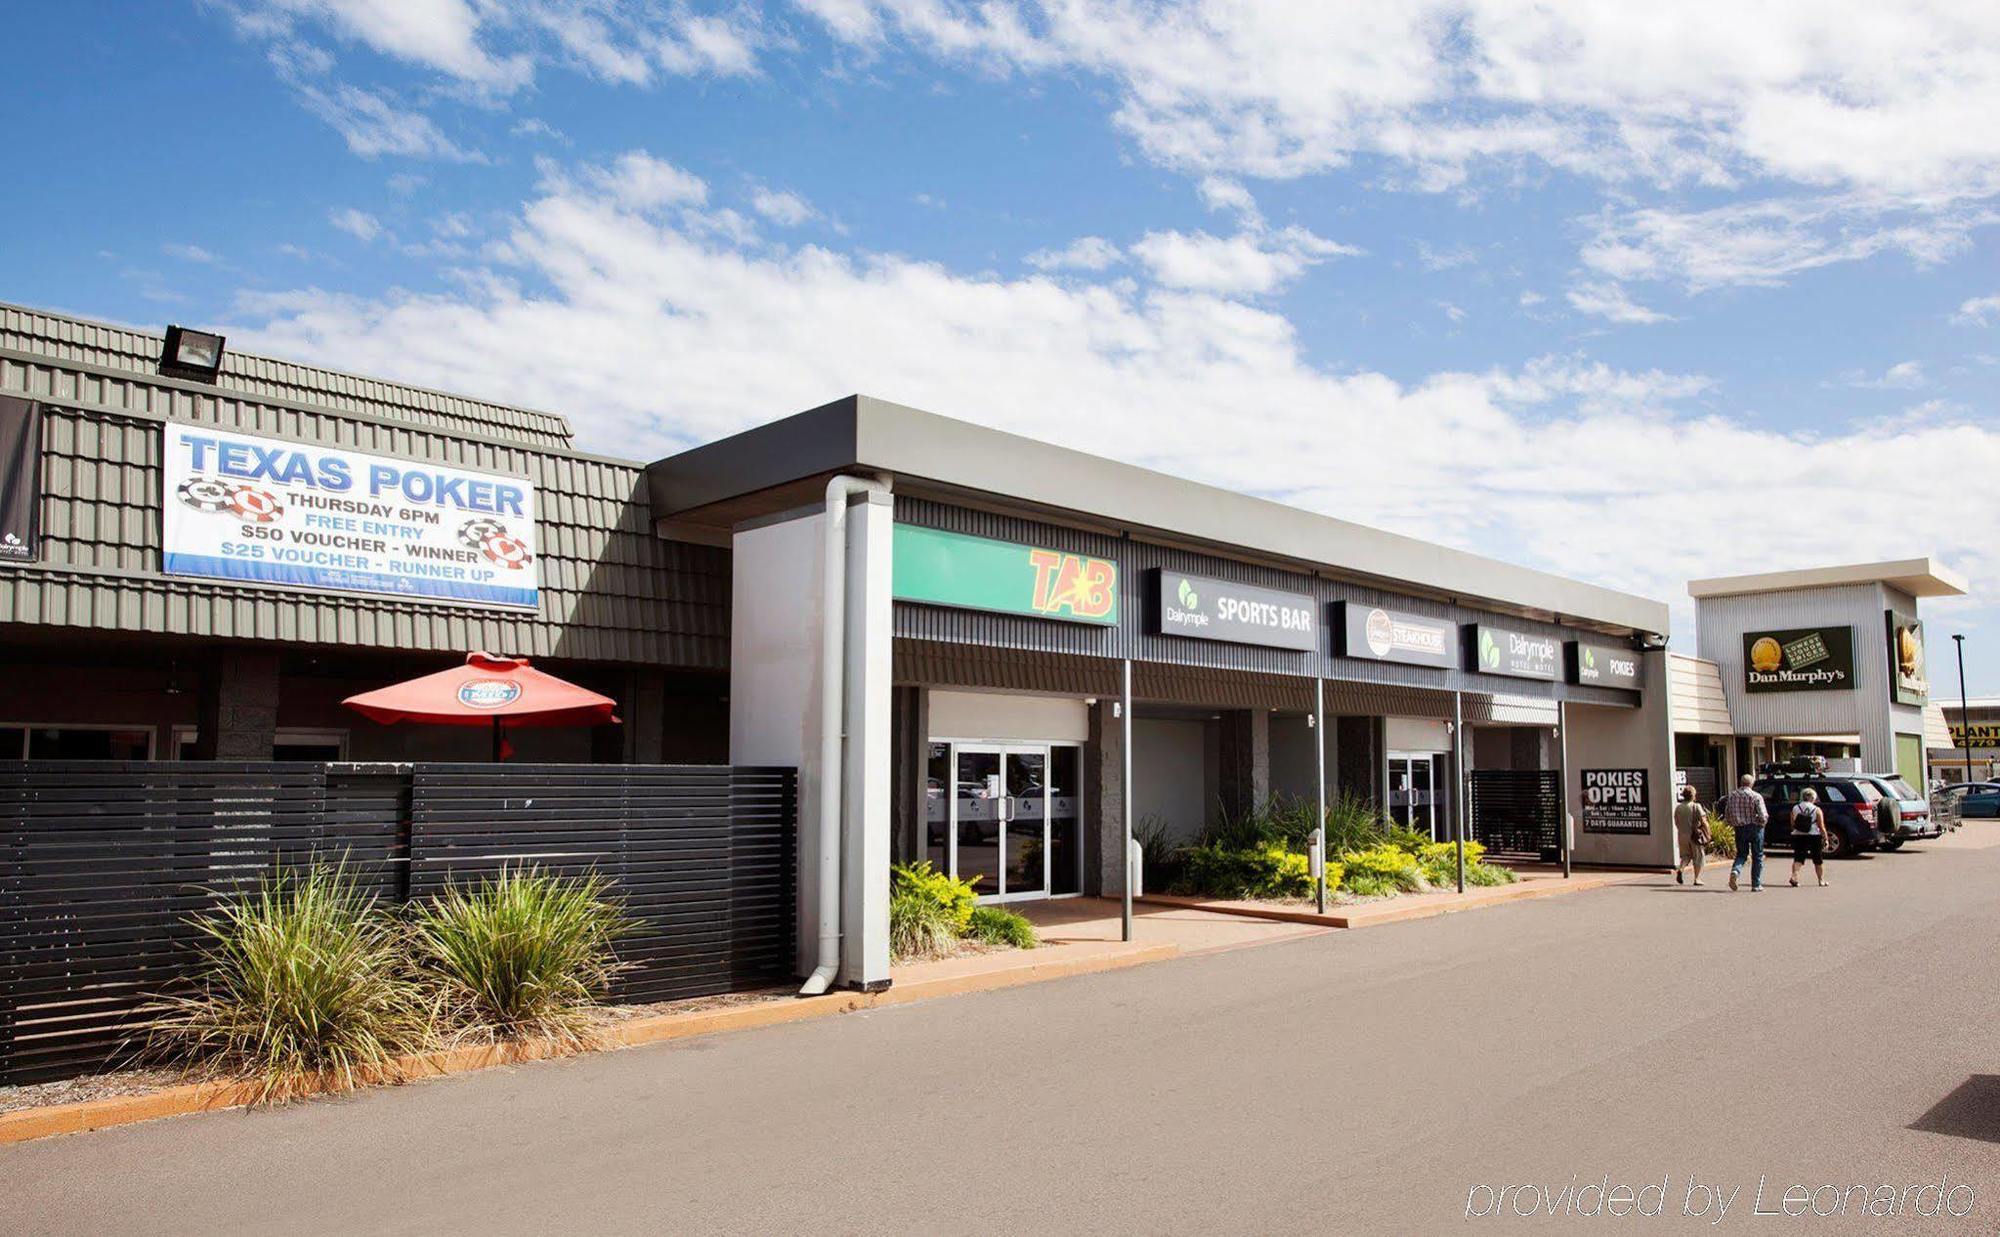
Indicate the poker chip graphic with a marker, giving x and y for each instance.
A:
(474, 533)
(255, 505)
(506, 551)
(205, 495)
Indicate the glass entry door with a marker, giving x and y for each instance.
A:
(1011, 818)
(1414, 785)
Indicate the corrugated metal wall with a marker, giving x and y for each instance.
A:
(1867, 711)
(611, 589)
(1418, 687)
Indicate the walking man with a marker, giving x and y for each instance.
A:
(1744, 809)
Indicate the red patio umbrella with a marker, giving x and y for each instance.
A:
(488, 690)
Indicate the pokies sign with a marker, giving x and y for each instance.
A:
(265, 511)
(940, 568)
(1604, 665)
(1615, 801)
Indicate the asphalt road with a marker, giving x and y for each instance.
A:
(1365, 1082)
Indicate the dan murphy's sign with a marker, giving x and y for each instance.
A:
(1374, 633)
(1518, 654)
(1211, 609)
(265, 511)
(978, 573)
(1798, 659)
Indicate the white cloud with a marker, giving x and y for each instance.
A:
(1248, 263)
(1902, 376)
(535, 127)
(358, 224)
(444, 35)
(1219, 193)
(1761, 243)
(1843, 93)
(782, 207)
(1432, 258)
(640, 181)
(1085, 253)
(1978, 311)
(711, 45)
(1531, 298)
(1605, 299)
(1451, 311)
(189, 253)
(625, 303)
(373, 125)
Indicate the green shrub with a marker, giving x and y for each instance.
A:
(1722, 837)
(922, 880)
(1380, 870)
(1409, 840)
(299, 981)
(523, 953)
(1268, 871)
(997, 926)
(919, 927)
(1353, 823)
(1160, 853)
(1488, 874)
(1282, 821)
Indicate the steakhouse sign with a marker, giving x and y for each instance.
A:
(978, 573)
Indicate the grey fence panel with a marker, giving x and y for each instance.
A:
(103, 864)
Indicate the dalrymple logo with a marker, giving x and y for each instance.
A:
(488, 693)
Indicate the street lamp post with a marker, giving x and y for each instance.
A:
(1964, 706)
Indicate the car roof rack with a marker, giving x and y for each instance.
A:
(1797, 766)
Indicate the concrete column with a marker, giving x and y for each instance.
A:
(1104, 803)
(1244, 770)
(239, 706)
(869, 822)
(910, 735)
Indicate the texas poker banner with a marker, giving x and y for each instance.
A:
(266, 511)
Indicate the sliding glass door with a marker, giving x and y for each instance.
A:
(1007, 816)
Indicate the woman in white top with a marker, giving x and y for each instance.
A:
(1809, 836)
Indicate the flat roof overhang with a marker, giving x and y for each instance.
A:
(1919, 577)
(784, 464)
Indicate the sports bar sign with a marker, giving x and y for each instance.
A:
(978, 573)
(264, 511)
(1798, 659)
(1211, 609)
(1373, 633)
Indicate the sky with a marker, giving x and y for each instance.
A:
(1636, 294)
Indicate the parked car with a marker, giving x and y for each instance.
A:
(1976, 799)
(1850, 800)
(1904, 812)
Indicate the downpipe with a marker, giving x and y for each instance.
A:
(833, 723)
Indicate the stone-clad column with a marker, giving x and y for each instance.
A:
(239, 706)
(1104, 802)
(1244, 776)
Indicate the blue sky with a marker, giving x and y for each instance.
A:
(1631, 295)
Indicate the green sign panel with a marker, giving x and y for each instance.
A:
(1006, 577)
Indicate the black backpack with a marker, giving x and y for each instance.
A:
(1805, 819)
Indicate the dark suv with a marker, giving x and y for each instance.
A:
(1850, 801)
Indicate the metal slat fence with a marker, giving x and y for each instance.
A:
(102, 863)
(1518, 812)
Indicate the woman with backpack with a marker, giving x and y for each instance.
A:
(1808, 836)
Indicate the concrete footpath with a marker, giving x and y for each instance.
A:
(1337, 1082)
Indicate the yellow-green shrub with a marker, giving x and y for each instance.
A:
(1379, 870)
(923, 882)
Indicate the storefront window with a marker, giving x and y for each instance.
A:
(1065, 820)
(937, 807)
(88, 743)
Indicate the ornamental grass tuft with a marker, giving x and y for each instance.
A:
(300, 986)
(522, 954)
